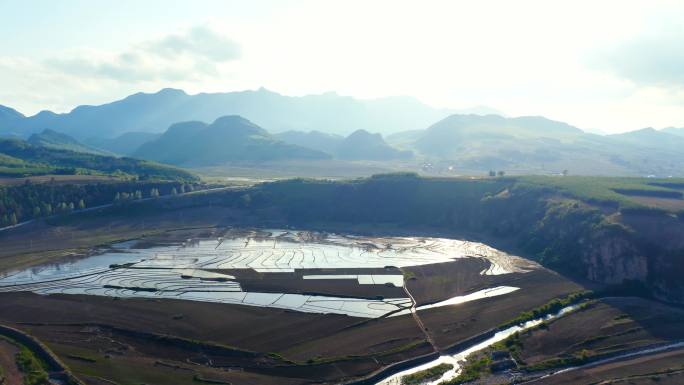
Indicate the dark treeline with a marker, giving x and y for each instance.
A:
(19, 203)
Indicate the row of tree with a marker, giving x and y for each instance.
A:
(19, 203)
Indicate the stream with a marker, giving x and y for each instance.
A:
(458, 358)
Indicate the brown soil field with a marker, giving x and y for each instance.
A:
(451, 324)
(8, 366)
(267, 343)
(663, 368)
(616, 324)
(251, 280)
(326, 346)
(436, 282)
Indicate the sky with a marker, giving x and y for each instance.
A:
(610, 66)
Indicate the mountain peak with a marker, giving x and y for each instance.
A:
(10, 113)
(170, 91)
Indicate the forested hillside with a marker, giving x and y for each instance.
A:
(20, 158)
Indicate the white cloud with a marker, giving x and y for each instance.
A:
(655, 60)
(189, 56)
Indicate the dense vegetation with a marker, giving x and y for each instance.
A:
(33, 200)
(20, 158)
(551, 307)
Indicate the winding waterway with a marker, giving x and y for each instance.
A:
(457, 359)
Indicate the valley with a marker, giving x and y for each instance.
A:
(341, 193)
(186, 289)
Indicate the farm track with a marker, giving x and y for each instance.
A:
(416, 317)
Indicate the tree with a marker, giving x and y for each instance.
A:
(182, 189)
(13, 219)
(36, 211)
(565, 172)
(138, 194)
(501, 173)
(71, 206)
(81, 204)
(117, 197)
(492, 173)
(154, 193)
(174, 191)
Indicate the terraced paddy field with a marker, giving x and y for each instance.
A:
(240, 306)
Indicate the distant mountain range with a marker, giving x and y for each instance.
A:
(261, 125)
(359, 145)
(539, 145)
(153, 113)
(229, 138)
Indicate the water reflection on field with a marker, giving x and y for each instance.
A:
(196, 269)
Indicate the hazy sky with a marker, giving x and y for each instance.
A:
(609, 65)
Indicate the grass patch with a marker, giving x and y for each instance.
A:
(35, 370)
(616, 191)
(426, 375)
(471, 371)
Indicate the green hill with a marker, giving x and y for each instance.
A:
(58, 141)
(20, 158)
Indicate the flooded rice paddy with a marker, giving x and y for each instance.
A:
(206, 269)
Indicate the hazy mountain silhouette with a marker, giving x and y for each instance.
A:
(540, 145)
(458, 133)
(362, 145)
(651, 138)
(679, 131)
(359, 145)
(143, 112)
(313, 139)
(124, 144)
(227, 139)
(10, 121)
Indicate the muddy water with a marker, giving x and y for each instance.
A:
(182, 270)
